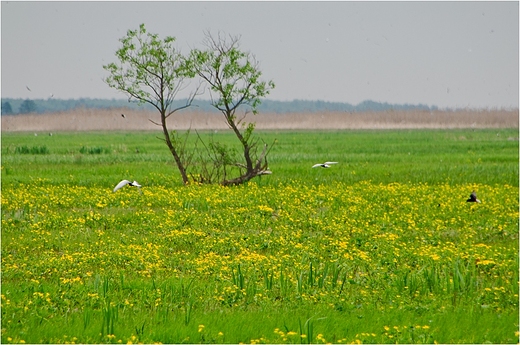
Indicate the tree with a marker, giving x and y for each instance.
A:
(27, 106)
(152, 71)
(6, 108)
(234, 82)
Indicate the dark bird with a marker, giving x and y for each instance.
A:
(126, 182)
(473, 197)
(123, 115)
(324, 165)
(28, 88)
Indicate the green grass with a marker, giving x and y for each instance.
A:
(380, 248)
(407, 156)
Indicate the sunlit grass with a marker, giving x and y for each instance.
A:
(405, 156)
(311, 258)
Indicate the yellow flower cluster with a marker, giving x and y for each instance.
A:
(337, 244)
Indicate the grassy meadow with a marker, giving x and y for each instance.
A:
(380, 248)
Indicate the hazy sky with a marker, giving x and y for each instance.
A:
(448, 54)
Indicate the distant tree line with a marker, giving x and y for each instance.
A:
(13, 106)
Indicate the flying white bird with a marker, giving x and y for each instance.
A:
(126, 182)
(473, 197)
(324, 165)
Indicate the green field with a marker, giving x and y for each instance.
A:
(380, 248)
(407, 156)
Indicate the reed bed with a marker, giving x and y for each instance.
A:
(134, 120)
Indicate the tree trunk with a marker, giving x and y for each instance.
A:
(259, 169)
(245, 144)
(172, 149)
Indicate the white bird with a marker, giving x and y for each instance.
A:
(126, 182)
(324, 165)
